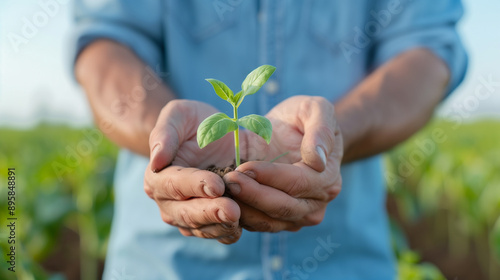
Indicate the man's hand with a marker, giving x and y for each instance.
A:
(188, 197)
(284, 196)
(272, 196)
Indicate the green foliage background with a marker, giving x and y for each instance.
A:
(64, 181)
(78, 196)
(454, 187)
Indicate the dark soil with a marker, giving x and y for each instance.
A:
(221, 171)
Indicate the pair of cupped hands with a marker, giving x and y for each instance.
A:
(287, 194)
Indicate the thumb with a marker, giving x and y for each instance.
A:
(167, 135)
(320, 127)
(163, 144)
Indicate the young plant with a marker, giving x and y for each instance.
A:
(219, 124)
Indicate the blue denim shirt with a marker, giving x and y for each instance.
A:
(320, 47)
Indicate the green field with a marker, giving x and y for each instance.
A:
(444, 186)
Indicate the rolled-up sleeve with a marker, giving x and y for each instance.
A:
(423, 23)
(136, 24)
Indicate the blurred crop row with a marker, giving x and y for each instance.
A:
(445, 193)
(444, 201)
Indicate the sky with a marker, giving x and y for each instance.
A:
(35, 72)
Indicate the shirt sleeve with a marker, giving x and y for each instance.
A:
(421, 23)
(136, 25)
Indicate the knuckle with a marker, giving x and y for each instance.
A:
(149, 191)
(305, 109)
(314, 219)
(173, 191)
(332, 193)
(320, 100)
(177, 105)
(166, 218)
(172, 104)
(333, 190)
(187, 219)
(185, 232)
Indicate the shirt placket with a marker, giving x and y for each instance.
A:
(273, 252)
(270, 18)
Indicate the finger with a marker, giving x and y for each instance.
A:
(185, 231)
(231, 238)
(255, 220)
(178, 121)
(297, 180)
(273, 202)
(319, 127)
(216, 231)
(181, 183)
(200, 212)
(165, 137)
(227, 239)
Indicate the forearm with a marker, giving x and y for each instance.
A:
(125, 95)
(391, 104)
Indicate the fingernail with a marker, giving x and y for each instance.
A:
(322, 154)
(222, 216)
(226, 226)
(227, 239)
(155, 150)
(234, 188)
(208, 191)
(152, 156)
(250, 174)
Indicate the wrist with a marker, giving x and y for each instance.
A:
(353, 126)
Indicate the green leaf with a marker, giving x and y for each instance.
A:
(259, 125)
(256, 79)
(214, 128)
(221, 89)
(238, 98)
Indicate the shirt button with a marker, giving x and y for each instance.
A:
(276, 263)
(272, 87)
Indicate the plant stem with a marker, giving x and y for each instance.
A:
(236, 138)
